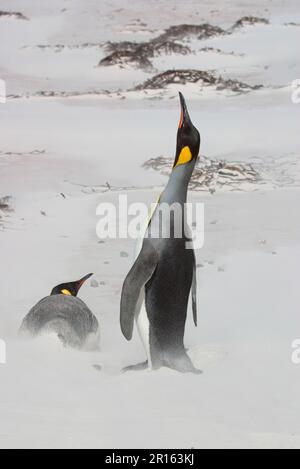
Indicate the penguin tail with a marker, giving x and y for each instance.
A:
(137, 367)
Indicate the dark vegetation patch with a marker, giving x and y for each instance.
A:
(203, 77)
(220, 51)
(64, 94)
(291, 23)
(140, 54)
(248, 20)
(5, 204)
(182, 31)
(5, 207)
(61, 47)
(22, 153)
(12, 14)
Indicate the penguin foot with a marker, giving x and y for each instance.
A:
(137, 367)
(182, 364)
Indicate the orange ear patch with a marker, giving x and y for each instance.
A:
(66, 292)
(185, 156)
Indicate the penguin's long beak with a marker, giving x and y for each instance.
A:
(184, 120)
(82, 280)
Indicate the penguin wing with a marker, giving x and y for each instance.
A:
(194, 291)
(194, 280)
(136, 279)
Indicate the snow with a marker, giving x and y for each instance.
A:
(248, 269)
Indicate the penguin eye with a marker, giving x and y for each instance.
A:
(185, 156)
(66, 292)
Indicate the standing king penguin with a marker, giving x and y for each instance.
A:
(156, 290)
(64, 314)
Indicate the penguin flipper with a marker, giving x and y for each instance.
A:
(194, 291)
(137, 277)
(194, 279)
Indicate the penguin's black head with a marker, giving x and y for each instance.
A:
(188, 138)
(70, 288)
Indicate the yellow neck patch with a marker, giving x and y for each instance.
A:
(66, 292)
(185, 156)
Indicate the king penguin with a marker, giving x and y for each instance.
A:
(156, 290)
(65, 315)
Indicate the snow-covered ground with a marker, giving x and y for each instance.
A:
(56, 156)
